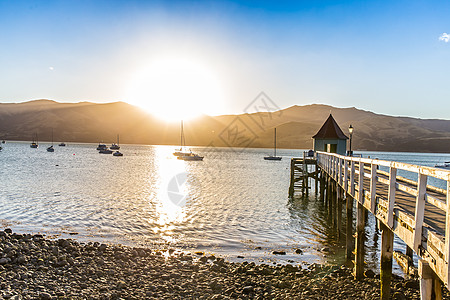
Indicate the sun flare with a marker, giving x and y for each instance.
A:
(174, 88)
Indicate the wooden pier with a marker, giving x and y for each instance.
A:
(418, 213)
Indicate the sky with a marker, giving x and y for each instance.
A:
(215, 57)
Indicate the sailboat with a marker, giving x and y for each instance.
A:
(34, 144)
(181, 152)
(184, 155)
(51, 149)
(115, 146)
(274, 157)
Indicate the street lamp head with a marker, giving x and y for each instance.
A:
(350, 129)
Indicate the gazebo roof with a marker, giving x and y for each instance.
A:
(330, 130)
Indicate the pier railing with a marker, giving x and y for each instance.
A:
(416, 212)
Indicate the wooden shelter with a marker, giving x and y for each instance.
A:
(330, 138)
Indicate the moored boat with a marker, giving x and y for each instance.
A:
(117, 153)
(274, 156)
(102, 146)
(105, 151)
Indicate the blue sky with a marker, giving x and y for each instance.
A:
(382, 56)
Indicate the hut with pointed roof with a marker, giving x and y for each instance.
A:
(330, 138)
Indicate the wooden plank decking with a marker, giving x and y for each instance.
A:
(416, 212)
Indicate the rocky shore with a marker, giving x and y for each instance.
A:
(33, 267)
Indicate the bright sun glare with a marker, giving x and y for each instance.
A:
(174, 88)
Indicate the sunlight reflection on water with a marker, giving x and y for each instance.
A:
(232, 203)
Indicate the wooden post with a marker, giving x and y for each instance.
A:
(352, 178)
(391, 195)
(430, 285)
(291, 186)
(359, 249)
(373, 188)
(322, 186)
(339, 195)
(420, 211)
(349, 228)
(387, 248)
(447, 231)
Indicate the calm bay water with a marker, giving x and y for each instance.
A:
(233, 203)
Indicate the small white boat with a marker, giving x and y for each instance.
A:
(191, 157)
(115, 146)
(51, 149)
(274, 157)
(181, 151)
(105, 151)
(117, 153)
(102, 147)
(445, 165)
(34, 144)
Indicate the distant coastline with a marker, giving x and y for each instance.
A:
(91, 123)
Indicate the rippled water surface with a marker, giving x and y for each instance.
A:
(233, 203)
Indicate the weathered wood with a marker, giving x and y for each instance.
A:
(387, 248)
(349, 245)
(393, 199)
(339, 211)
(361, 183)
(426, 280)
(346, 176)
(373, 188)
(447, 230)
(391, 196)
(359, 243)
(420, 211)
(352, 178)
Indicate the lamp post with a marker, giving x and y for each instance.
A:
(350, 130)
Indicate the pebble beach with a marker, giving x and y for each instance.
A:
(34, 267)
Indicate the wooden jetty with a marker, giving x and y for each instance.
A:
(417, 212)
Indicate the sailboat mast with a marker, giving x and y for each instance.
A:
(117, 140)
(181, 135)
(275, 142)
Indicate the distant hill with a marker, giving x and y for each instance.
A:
(90, 122)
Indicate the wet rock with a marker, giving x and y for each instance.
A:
(298, 251)
(369, 273)
(8, 230)
(279, 252)
(398, 296)
(247, 289)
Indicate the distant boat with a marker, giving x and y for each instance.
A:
(105, 151)
(3, 142)
(117, 153)
(102, 147)
(181, 151)
(51, 149)
(62, 144)
(115, 146)
(445, 165)
(274, 157)
(34, 144)
(190, 157)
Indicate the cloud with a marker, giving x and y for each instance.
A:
(445, 37)
(51, 68)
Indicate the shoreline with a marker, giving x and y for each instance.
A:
(34, 267)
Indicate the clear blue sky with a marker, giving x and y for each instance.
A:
(382, 56)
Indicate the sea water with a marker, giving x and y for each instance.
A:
(233, 203)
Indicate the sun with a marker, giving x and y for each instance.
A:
(176, 88)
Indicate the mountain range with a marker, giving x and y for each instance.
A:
(92, 122)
